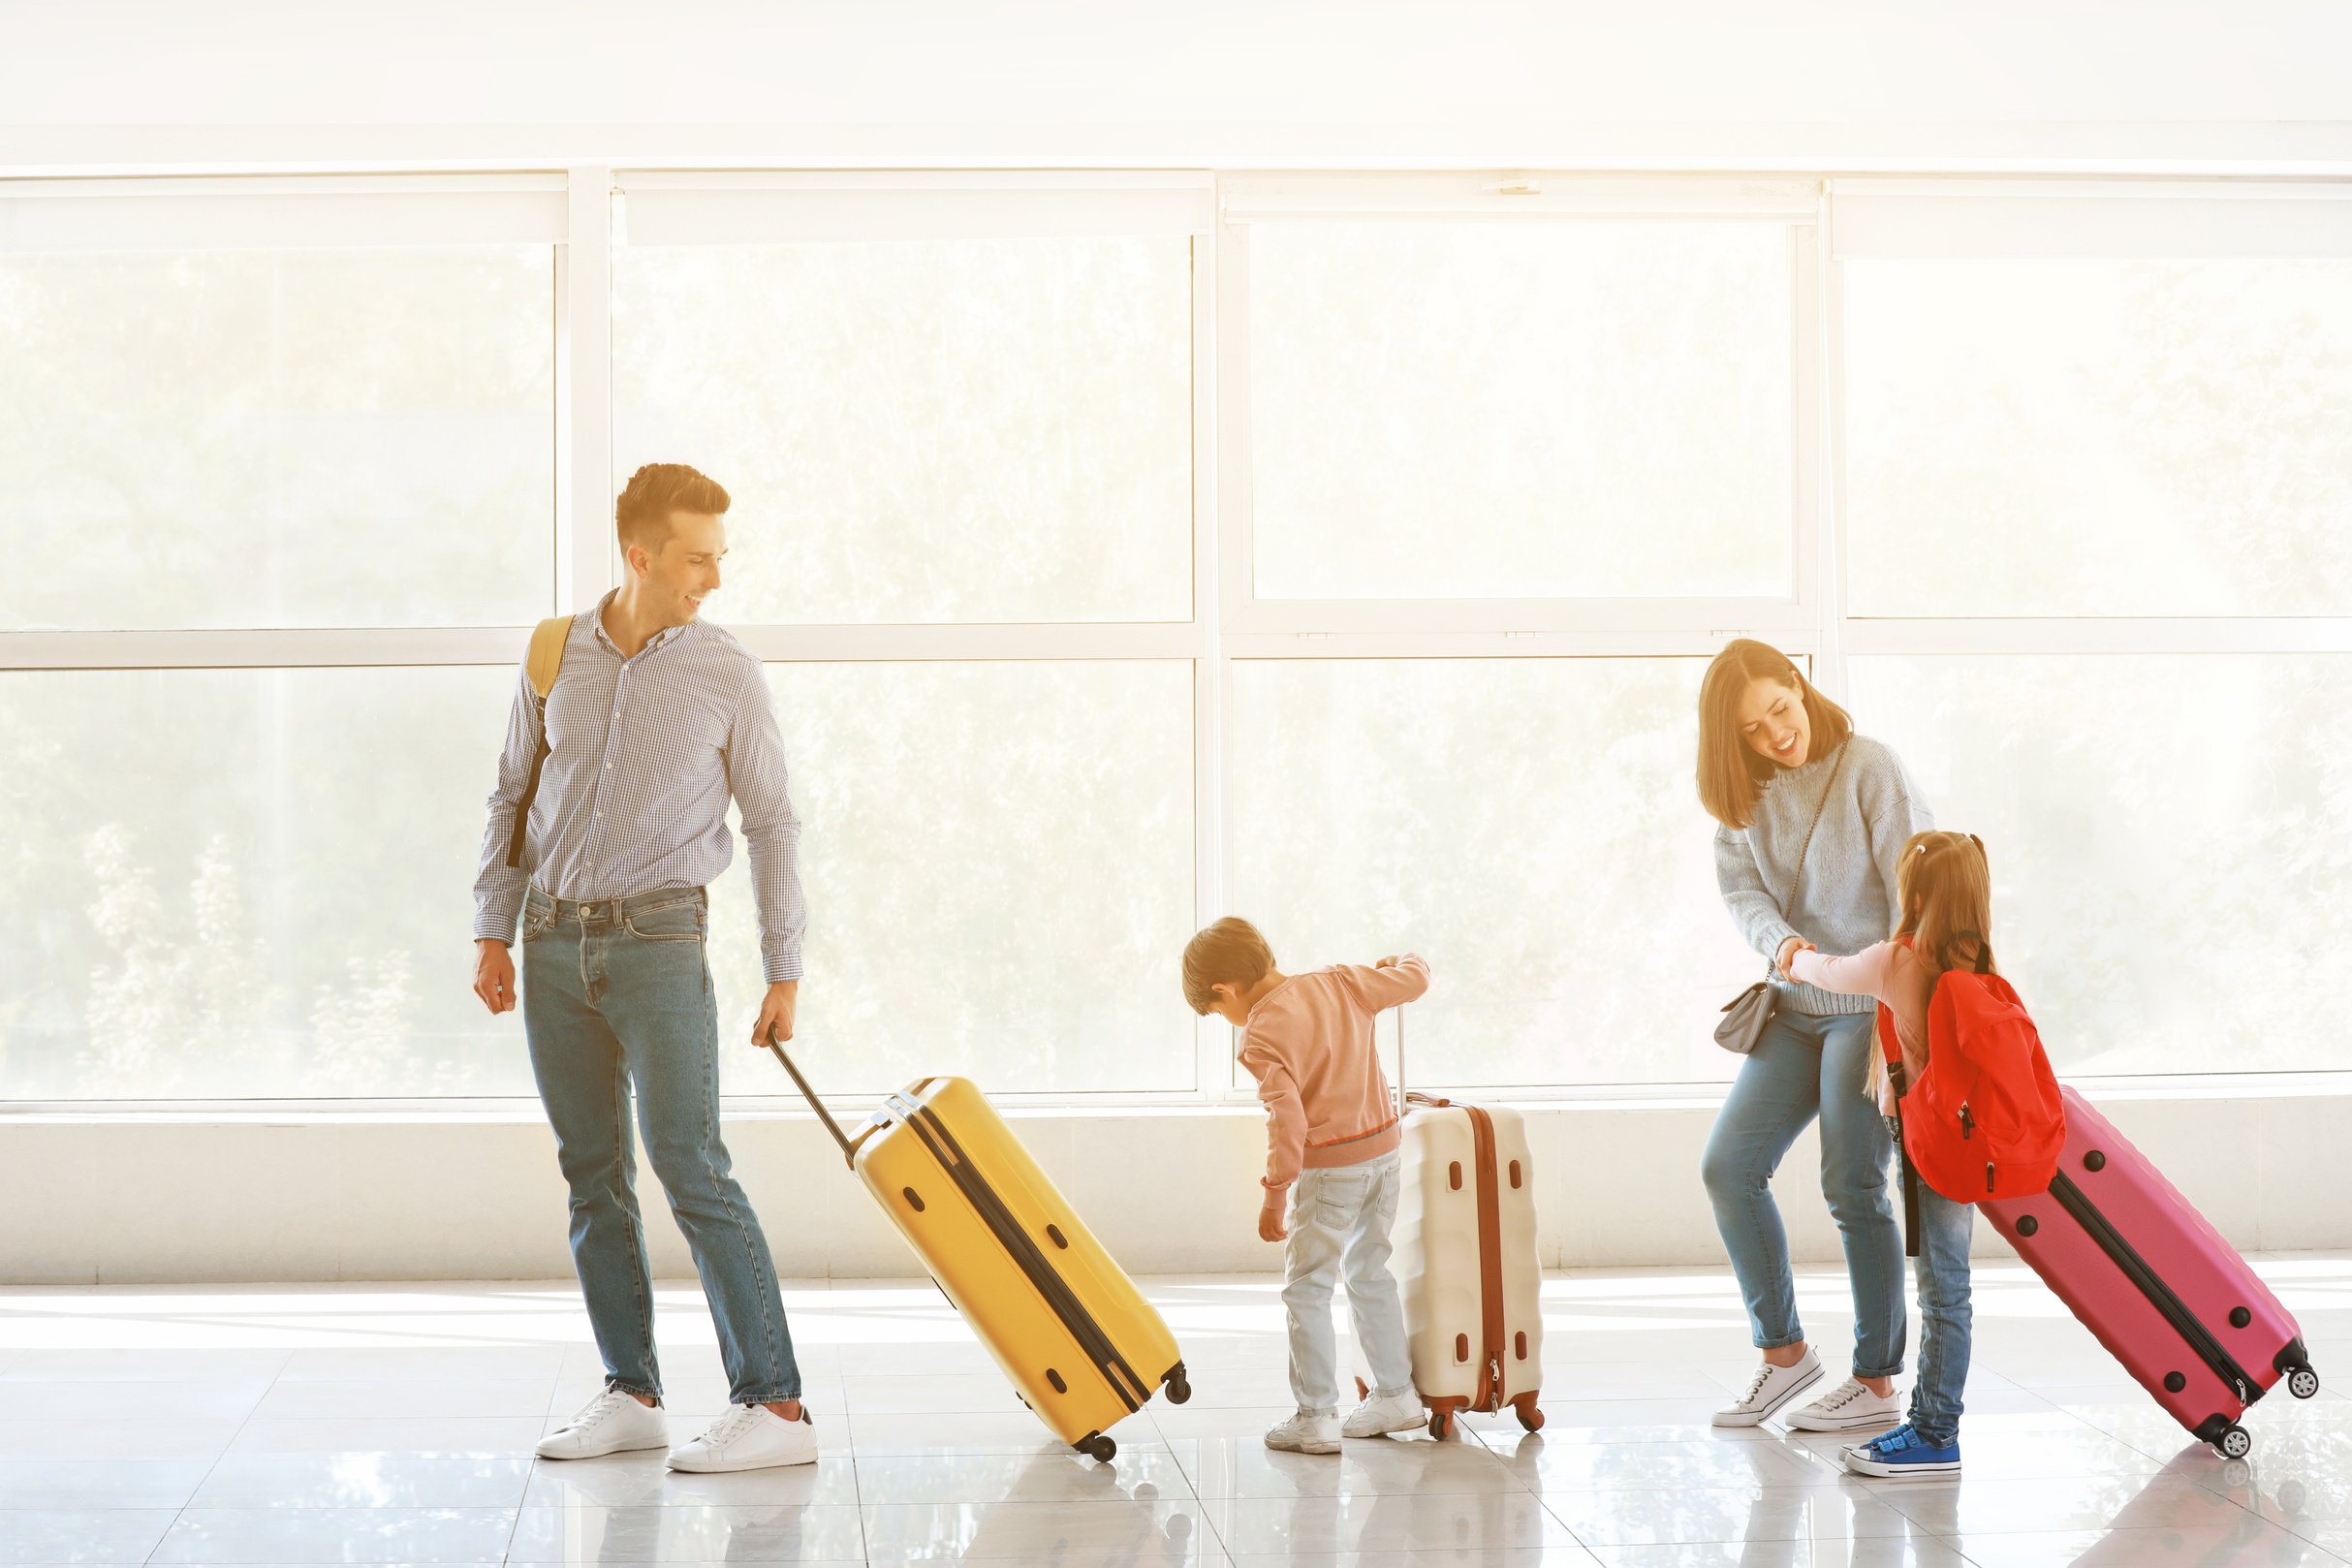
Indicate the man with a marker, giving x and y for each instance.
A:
(654, 718)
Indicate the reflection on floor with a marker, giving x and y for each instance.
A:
(394, 1424)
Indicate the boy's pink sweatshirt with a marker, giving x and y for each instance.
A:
(1308, 1042)
(1893, 973)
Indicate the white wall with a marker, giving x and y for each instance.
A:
(1234, 82)
(388, 1198)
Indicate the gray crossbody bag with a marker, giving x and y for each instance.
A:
(1745, 1014)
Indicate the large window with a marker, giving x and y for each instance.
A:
(2098, 515)
(1493, 408)
(1127, 549)
(277, 470)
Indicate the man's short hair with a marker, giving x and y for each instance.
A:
(658, 489)
(1230, 953)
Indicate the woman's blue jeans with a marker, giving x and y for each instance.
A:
(615, 996)
(1807, 1066)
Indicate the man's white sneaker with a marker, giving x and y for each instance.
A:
(609, 1424)
(750, 1437)
(1304, 1433)
(1772, 1388)
(1382, 1414)
(1848, 1407)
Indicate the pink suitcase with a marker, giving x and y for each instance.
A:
(2142, 1269)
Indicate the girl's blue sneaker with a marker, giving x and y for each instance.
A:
(1902, 1451)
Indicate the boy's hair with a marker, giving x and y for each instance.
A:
(1731, 774)
(656, 491)
(1230, 953)
(1945, 884)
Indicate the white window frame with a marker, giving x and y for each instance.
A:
(585, 210)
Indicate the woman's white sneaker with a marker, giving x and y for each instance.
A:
(611, 1423)
(750, 1437)
(1848, 1407)
(1772, 1388)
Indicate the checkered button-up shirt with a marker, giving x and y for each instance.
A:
(643, 753)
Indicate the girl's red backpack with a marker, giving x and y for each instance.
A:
(1985, 1119)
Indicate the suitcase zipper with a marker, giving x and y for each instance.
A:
(2161, 1296)
(1489, 1258)
(1097, 1346)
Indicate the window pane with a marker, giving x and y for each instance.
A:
(246, 882)
(2170, 841)
(1527, 824)
(1478, 410)
(971, 430)
(2098, 437)
(307, 438)
(999, 865)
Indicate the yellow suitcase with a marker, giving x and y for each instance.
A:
(1082, 1347)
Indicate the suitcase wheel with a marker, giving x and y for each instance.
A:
(2302, 1383)
(1098, 1448)
(2234, 1443)
(1441, 1423)
(1178, 1390)
(1529, 1416)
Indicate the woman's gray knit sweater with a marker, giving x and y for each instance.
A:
(1846, 901)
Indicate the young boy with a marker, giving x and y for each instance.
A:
(1331, 1138)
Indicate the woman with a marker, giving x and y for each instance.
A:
(1811, 821)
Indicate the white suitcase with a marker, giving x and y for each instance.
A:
(1465, 1257)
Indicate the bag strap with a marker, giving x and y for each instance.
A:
(1837, 762)
(542, 663)
(546, 657)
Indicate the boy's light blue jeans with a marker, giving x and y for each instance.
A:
(1802, 1067)
(1340, 1221)
(617, 994)
(1945, 1316)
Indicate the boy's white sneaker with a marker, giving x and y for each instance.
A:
(749, 1438)
(1772, 1388)
(1304, 1433)
(1382, 1414)
(611, 1423)
(1848, 1407)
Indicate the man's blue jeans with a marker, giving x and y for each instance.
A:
(1802, 1067)
(617, 995)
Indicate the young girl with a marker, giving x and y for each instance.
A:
(1945, 890)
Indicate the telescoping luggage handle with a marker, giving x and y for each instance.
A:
(1407, 1099)
(849, 1146)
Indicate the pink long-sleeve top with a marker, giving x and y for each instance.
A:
(1893, 974)
(1308, 1042)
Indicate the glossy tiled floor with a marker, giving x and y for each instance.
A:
(394, 1425)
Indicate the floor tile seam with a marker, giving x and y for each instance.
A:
(211, 1469)
(1201, 1504)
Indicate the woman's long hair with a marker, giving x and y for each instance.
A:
(1732, 775)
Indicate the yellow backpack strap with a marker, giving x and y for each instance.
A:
(542, 662)
(546, 657)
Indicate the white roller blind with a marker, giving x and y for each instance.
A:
(359, 213)
(1503, 194)
(779, 209)
(1894, 219)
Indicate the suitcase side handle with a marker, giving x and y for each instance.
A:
(849, 1149)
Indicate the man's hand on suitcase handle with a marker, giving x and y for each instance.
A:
(776, 1010)
(1270, 1215)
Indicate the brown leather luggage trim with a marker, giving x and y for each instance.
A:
(1489, 1394)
